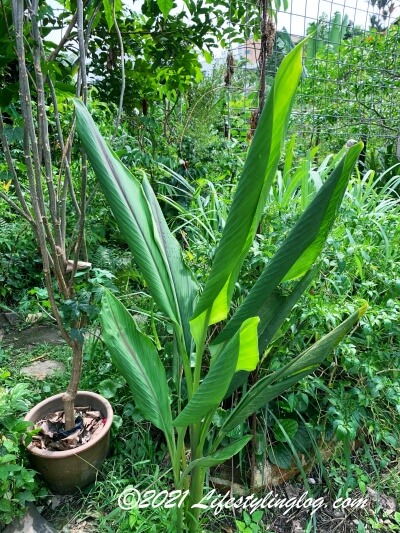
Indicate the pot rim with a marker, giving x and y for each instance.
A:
(57, 454)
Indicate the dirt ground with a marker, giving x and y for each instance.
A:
(29, 337)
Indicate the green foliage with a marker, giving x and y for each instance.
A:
(157, 67)
(86, 300)
(20, 265)
(59, 70)
(172, 130)
(325, 33)
(361, 386)
(257, 176)
(355, 96)
(17, 482)
(250, 522)
(243, 18)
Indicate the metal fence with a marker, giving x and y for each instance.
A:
(350, 87)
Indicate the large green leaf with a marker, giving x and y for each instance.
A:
(278, 309)
(297, 253)
(136, 358)
(321, 213)
(314, 43)
(249, 200)
(182, 283)
(240, 353)
(267, 388)
(338, 30)
(143, 226)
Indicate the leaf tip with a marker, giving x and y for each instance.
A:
(363, 309)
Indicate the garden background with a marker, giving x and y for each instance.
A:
(177, 90)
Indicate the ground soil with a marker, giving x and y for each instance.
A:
(30, 337)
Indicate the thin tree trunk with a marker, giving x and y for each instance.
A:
(71, 392)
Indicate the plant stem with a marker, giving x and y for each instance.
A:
(179, 464)
(200, 352)
(205, 427)
(70, 394)
(196, 494)
(123, 81)
(184, 357)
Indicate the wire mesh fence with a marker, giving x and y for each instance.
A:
(350, 86)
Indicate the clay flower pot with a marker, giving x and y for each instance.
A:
(67, 471)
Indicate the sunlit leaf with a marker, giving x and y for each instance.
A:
(6, 186)
(239, 353)
(250, 196)
(267, 388)
(165, 6)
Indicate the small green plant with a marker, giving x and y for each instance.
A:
(303, 180)
(17, 482)
(250, 522)
(204, 372)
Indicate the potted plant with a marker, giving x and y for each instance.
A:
(67, 470)
(43, 191)
(206, 372)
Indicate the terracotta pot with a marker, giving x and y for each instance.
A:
(67, 471)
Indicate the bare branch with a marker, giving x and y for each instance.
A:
(83, 77)
(62, 189)
(64, 39)
(44, 145)
(33, 167)
(123, 82)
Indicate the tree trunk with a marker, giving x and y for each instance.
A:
(70, 394)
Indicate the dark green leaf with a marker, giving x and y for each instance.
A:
(108, 388)
(280, 455)
(295, 257)
(274, 384)
(136, 358)
(285, 428)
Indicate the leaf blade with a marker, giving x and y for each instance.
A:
(299, 250)
(250, 196)
(165, 6)
(220, 456)
(142, 224)
(237, 354)
(267, 388)
(136, 358)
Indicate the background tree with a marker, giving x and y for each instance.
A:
(357, 96)
(42, 189)
(380, 21)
